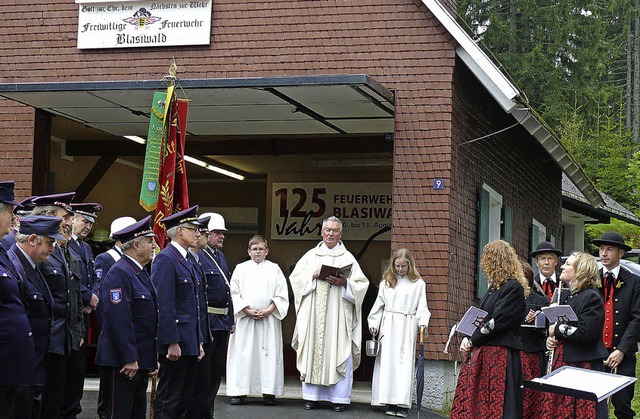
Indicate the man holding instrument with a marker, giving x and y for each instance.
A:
(621, 292)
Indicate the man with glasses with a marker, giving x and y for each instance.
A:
(179, 333)
(328, 332)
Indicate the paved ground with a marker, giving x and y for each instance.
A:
(288, 407)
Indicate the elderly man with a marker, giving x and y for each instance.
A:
(17, 348)
(34, 244)
(220, 304)
(179, 334)
(546, 257)
(328, 333)
(621, 293)
(127, 343)
(68, 329)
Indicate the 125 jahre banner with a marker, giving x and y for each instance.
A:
(298, 209)
(128, 24)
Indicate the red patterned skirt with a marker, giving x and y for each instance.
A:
(532, 367)
(558, 406)
(489, 385)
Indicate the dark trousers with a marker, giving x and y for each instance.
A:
(26, 406)
(218, 364)
(176, 382)
(124, 398)
(8, 402)
(198, 406)
(622, 399)
(75, 383)
(54, 390)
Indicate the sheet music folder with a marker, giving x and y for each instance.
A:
(580, 383)
(472, 319)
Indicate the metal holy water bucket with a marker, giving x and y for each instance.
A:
(372, 346)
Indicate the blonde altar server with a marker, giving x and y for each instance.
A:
(401, 307)
(328, 333)
(260, 300)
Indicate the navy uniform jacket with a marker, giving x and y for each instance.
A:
(201, 289)
(67, 327)
(104, 261)
(83, 266)
(585, 344)
(507, 307)
(218, 291)
(9, 239)
(175, 280)
(626, 308)
(39, 308)
(17, 355)
(130, 317)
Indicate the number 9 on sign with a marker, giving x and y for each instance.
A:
(438, 184)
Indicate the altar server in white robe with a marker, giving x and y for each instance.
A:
(328, 336)
(260, 300)
(399, 310)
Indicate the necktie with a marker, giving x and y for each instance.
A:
(609, 285)
(549, 287)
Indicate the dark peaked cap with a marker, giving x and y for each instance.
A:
(62, 200)
(613, 238)
(139, 229)
(6, 192)
(545, 247)
(41, 225)
(188, 216)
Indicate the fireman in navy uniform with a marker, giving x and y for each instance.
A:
(621, 292)
(220, 305)
(103, 263)
(67, 327)
(546, 258)
(34, 244)
(127, 343)
(179, 335)
(16, 340)
(82, 265)
(198, 406)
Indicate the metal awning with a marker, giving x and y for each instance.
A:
(308, 105)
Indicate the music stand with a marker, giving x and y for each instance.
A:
(580, 383)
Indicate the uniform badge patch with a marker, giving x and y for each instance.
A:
(115, 295)
(98, 273)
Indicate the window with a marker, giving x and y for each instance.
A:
(490, 227)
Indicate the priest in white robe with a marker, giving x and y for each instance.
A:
(260, 300)
(328, 336)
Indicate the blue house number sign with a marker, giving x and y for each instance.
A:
(438, 183)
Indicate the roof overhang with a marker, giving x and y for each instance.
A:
(308, 105)
(509, 98)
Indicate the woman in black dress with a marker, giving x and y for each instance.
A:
(579, 343)
(490, 379)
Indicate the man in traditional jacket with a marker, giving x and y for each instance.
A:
(621, 293)
(34, 244)
(546, 257)
(328, 333)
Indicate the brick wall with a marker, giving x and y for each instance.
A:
(512, 163)
(16, 145)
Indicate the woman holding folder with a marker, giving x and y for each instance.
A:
(490, 379)
(579, 343)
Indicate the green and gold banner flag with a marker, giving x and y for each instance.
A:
(158, 128)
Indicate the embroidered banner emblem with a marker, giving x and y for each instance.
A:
(98, 273)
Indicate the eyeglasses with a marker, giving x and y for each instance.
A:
(188, 228)
(332, 230)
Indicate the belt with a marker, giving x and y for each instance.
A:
(217, 310)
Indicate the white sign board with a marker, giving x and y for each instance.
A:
(297, 209)
(129, 24)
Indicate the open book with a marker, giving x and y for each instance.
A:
(472, 319)
(327, 270)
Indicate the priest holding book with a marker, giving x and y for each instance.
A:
(328, 333)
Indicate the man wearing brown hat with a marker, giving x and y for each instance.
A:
(621, 292)
(546, 257)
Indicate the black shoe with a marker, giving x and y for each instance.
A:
(391, 410)
(339, 408)
(237, 401)
(311, 405)
(269, 399)
(402, 412)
